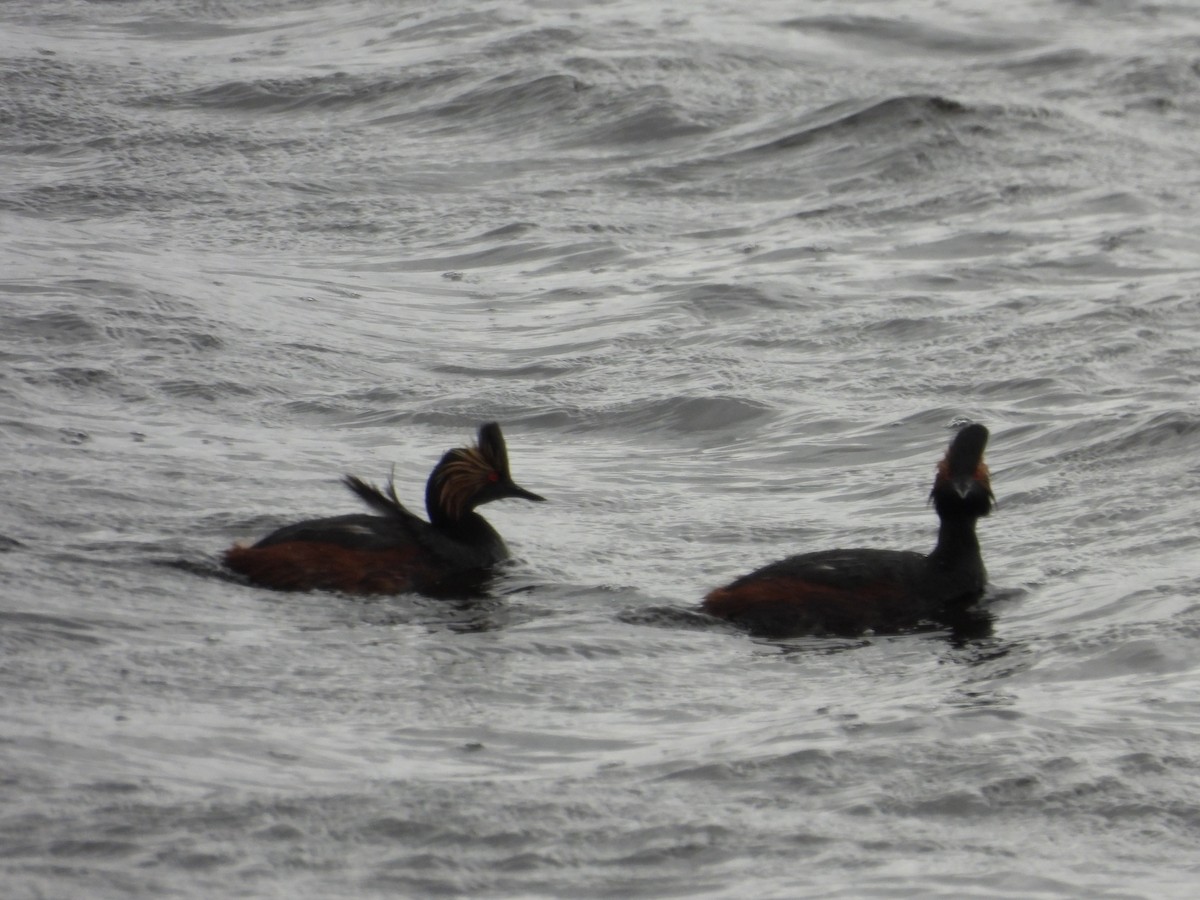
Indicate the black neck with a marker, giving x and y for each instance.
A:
(469, 528)
(469, 540)
(957, 546)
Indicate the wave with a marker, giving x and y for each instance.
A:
(918, 37)
(874, 116)
(319, 92)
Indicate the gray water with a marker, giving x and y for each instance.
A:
(727, 273)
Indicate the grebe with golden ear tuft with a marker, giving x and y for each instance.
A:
(396, 551)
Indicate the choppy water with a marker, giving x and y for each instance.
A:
(725, 272)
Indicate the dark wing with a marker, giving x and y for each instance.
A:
(355, 532)
(847, 569)
(832, 592)
(331, 563)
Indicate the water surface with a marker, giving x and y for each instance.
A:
(727, 274)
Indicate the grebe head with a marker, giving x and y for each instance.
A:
(468, 477)
(962, 486)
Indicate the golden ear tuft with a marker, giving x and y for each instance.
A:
(463, 476)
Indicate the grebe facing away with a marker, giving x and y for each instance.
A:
(848, 592)
(396, 551)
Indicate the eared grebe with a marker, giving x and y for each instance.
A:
(848, 592)
(396, 551)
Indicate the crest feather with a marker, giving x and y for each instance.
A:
(463, 475)
(464, 472)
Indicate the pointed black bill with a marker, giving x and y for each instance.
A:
(491, 444)
(966, 451)
(515, 490)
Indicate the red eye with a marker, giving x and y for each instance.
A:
(493, 476)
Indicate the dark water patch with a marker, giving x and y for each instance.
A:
(584, 259)
(194, 22)
(963, 803)
(802, 254)
(1012, 790)
(471, 604)
(333, 91)
(867, 120)
(723, 233)
(1120, 648)
(690, 415)
(150, 149)
(1166, 86)
(31, 431)
(58, 105)
(657, 845)
(210, 392)
(434, 27)
(388, 829)
(510, 105)
(60, 326)
(535, 371)
(73, 436)
(567, 420)
(1103, 444)
(99, 848)
(24, 630)
(1031, 388)
(188, 859)
(1121, 318)
(1040, 63)
(971, 245)
(960, 629)
(515, 96)
(550, 41)
(72, 377)
(451, 611)
(902, 329)
(125, 324)
(1164, 431)
(512, 229)
(717, 302)
(45, 72)
(659, 121)
(530, 863)
(280, 832)
(843, 161)
(204, 568)
(673, 617)
(118, 788)
(324, 409)
(639, 116)
(111, 200)
(575, 256)
(917, 37)
(813, 771)
(442, 414)
(379, 395)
